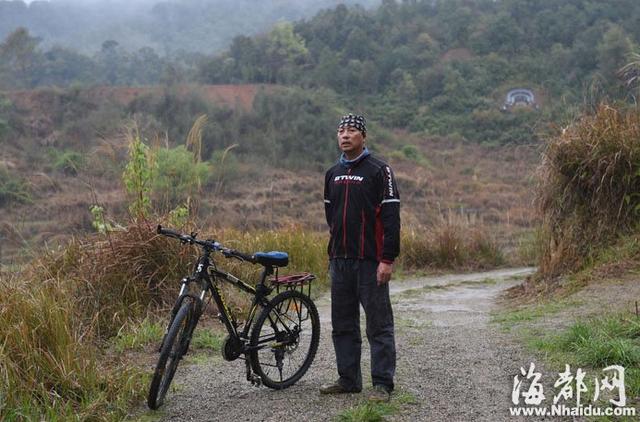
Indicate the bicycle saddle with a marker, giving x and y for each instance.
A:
(273, 258)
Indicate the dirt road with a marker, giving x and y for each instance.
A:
(453, 363)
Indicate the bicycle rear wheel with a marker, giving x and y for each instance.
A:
(174, 347)
(285, 339)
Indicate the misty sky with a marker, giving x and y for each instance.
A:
(167, 26)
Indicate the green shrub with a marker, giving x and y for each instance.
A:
(137, 177)
(177, 176)
(411, 153)
(69, 162)
(530, 246)
(225, 167)
(5, 109)
(99, 222)
(12, 188)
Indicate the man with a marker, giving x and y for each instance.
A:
(362, 207)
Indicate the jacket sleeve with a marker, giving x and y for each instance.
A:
(390, 216)
(327, 196)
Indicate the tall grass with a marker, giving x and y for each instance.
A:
(307, 249)
(56, 315)
(589, 191)
(453, 243)
(49, 364)
(120, 276)
(116, 277)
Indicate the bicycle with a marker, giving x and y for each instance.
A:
(288, 325)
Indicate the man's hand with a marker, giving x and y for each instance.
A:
(384, 273)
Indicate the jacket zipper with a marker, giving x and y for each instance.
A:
(362, 224)
(344, 216)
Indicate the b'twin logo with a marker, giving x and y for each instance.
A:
(347, 178)
(389, 181)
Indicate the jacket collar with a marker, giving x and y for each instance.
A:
(352, 163)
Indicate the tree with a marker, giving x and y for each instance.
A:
(5, 109)
(612, 53)
(19, 56)
(146, 66)
(630, 73)
(177, 176)
(63, 67)
(112, 60)
(285, 49)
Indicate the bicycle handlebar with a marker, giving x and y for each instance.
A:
(208, 244)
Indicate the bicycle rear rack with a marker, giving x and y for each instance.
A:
(300, 282)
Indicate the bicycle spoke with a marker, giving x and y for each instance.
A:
(295, 330)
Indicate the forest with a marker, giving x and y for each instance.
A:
(433, 67)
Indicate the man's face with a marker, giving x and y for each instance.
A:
(350, 140)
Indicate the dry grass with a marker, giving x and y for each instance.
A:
(117, 277)
(589, 190)
(452, 243)
(125, 274)
(56, 319)
(49, 363)
(57, 313)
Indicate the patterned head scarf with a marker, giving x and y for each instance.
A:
(353, 120)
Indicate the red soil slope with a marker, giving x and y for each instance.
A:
(234, 96)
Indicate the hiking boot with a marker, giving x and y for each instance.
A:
(336, 388)
(379, 393)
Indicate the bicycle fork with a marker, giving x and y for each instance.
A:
(196, 311)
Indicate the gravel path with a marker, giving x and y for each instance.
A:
(452, 363)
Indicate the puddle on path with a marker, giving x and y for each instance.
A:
(453, 299)
(446, 300)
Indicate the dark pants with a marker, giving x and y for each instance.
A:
(353, 282)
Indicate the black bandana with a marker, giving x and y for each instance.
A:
(353, 120)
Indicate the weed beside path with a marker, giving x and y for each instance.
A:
(590, 328)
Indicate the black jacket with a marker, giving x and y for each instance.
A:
(362, 206)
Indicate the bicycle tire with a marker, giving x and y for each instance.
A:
(285, 339)
(174, 347)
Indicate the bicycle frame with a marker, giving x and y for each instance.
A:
(205, 275)
(282, 333)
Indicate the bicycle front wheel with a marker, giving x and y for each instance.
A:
(174, 347)
(285, 339)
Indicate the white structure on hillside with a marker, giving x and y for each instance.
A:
(520, 97)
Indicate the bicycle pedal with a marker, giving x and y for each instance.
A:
(256, 380)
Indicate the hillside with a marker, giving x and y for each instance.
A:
(444, 67)
(229, 96)
(435, 68)
(437, 177)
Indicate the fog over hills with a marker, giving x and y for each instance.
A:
(204, 26)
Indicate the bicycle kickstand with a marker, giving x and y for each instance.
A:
(254, 379)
